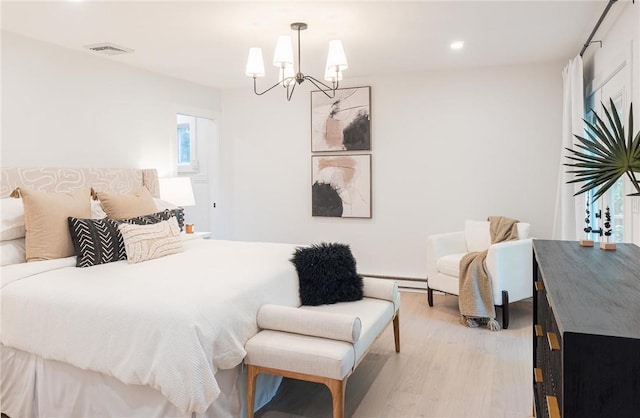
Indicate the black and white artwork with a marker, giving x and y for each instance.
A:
(341, 186)
(342, 123)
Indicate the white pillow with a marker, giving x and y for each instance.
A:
(523, 230)
(96, 210)
(12, 252)
(12, 215)
(477, 235)
(146, 242)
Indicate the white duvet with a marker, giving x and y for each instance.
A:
(169, 323)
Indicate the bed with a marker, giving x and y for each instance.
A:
(164, 337)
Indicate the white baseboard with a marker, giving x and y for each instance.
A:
(411, 284)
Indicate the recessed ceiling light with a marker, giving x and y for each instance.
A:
(457, 45)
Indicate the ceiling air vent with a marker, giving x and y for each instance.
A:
(108, 49)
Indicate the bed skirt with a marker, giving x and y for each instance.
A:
(35, 387)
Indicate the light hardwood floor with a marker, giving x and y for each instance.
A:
(443, 370)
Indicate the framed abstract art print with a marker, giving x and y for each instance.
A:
(341, 123)
(341, 186)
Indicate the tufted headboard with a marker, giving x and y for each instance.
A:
(113, 180)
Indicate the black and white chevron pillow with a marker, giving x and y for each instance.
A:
(97, 241)
(158, 217)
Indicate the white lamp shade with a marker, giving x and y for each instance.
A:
(255, 63)
(336, 57)
(177, 190)
(330, 75)
(284, 52)
(287, 73)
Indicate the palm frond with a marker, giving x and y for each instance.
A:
(591, 144)
(600, 135)
(579, 156)
(605, 153)
(618, 129)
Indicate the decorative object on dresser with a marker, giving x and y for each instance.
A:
(607, 232)
(508, 263)
(586, 341)
(586, 242)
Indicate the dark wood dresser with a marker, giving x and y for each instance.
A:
(586, 339)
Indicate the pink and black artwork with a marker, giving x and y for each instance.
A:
(341, 123)
(341, 186)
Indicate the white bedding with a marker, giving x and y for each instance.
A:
(169, 323)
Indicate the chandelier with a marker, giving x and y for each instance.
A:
(289, 78)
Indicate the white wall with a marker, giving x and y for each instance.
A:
(447, 146)
(67, 108)
(620, 36)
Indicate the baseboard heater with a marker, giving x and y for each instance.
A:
(413, 284)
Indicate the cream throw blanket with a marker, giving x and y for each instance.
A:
(475, 296)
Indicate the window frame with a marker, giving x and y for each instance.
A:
(192, 166)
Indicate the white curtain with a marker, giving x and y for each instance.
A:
(570, 213)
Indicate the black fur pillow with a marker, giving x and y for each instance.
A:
(327, 274)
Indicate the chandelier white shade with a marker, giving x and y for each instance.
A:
(283, 56)
(336, 60)
(288, 77)
(255, 63)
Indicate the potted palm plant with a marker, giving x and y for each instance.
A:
(606, 154)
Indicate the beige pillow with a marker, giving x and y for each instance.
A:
(45, 219)
(146, 242)
(123, 206)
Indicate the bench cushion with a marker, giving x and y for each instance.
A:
(331, 325)
(301, 354)
(374, 314)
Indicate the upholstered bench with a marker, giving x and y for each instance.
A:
(322, 344)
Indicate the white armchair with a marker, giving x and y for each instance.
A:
(508, 263)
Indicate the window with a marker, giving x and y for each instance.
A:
(613, 199)
(184, 143)
(187, 144)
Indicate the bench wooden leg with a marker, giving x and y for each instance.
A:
(396, 331)
(252, 372)
(337, 388)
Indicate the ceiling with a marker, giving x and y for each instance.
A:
(207, 42)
